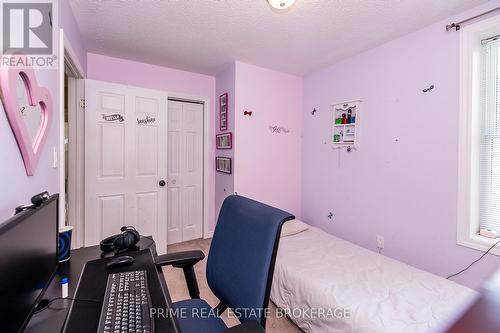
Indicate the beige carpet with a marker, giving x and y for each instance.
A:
(178, 289)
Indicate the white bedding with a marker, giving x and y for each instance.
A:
(317, 270)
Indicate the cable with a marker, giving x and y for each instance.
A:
(481, 257)
(70, 298)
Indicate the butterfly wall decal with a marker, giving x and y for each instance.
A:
(428, 89)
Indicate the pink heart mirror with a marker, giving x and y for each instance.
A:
(29, 110)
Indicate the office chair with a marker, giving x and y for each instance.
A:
(240, 268)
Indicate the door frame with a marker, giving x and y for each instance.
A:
(76, 132)
(207, 233)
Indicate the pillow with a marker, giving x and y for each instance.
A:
(293, 227)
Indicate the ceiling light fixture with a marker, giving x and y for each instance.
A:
(281, 4)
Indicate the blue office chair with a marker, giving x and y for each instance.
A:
(240, 268)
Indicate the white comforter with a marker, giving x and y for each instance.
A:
(317, 270)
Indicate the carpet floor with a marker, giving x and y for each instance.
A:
(178, 289)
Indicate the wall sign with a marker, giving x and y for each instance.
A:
(145, 121)
(278, 129)
(113, 117)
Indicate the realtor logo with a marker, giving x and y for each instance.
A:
(27, 28)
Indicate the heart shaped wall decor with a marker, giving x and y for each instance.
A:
(30, 130)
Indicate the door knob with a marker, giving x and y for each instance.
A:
(162, 183)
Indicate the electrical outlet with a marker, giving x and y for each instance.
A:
(380, 242)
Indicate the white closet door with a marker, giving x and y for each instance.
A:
(125, 160)
(185, 171)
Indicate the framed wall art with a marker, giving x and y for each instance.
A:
(224, 140)
(223, 112)
(223, 164)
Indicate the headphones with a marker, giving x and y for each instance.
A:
(121, 242)
(36, 201)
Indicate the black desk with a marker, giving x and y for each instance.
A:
(54, 318)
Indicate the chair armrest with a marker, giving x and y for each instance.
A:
(248, 327)
(180, 259)
(185, 260)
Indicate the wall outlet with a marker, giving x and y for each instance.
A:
(380, 242)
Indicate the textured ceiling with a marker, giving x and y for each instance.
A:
(205, 35)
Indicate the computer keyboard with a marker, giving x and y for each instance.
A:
(126, 304)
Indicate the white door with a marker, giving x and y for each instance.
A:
(125, 160)
(185, 171)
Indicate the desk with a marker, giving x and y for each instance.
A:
(54, 318)
(483, 315)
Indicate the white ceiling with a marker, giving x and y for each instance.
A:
(205, 35)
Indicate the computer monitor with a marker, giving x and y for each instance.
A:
(28, 262)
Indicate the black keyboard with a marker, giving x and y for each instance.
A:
(126, 304)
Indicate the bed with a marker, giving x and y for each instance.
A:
(326, 284)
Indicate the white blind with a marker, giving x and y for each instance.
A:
(489, 150)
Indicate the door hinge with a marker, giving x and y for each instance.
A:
(83, 103)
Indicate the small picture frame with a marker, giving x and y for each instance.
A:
(224, 140)
(223, 112)
(223, 164)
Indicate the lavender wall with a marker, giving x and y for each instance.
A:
(68, 23)
(224, 183)
(268, 166)
(16, 187)
(402, 183)
(139, 74)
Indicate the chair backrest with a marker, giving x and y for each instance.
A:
(242, 255)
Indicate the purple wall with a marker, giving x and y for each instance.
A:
(402, 183)
(16, 187)
(139, 74)
(67, 22)
(268, 165)
(224, 183)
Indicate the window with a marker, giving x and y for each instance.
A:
(489, 141)
(479, 134)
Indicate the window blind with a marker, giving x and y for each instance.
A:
(489, 150)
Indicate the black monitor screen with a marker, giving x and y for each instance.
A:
(28, 261)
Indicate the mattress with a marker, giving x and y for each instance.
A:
(326, 284)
